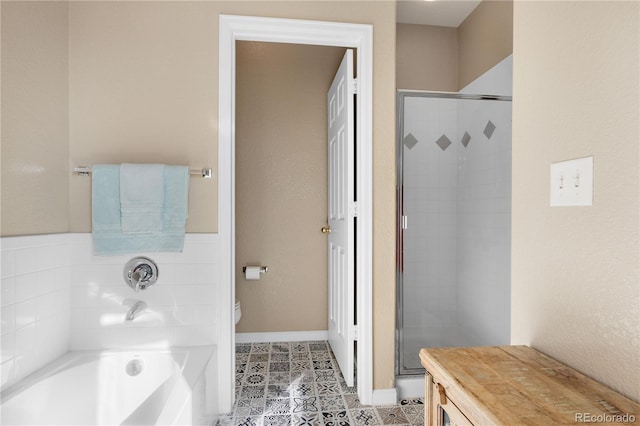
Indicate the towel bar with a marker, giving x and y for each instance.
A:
(206, 173)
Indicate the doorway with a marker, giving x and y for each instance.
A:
(281, 188)
(360, 37)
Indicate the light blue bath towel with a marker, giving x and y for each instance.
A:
(141, 198)
(108, 238)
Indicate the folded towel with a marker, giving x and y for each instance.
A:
(108, 238)
(118, 243)
(105, 198)
(141, 197)
(176, 192)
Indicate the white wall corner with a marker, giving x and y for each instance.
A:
(384, 397)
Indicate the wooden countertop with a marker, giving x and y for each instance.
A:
(517, 385)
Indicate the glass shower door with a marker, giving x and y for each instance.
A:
(454, 177)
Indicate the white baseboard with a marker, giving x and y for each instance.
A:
(284, 336)
(410, 387)
(384, 397)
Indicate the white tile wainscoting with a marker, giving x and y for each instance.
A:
(57, 296)
(35, 303)
(181, 304)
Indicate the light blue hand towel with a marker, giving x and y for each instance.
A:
(108, 238)
(176, 198)
(141, 198)
(105, 198)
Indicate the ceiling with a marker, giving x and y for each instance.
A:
(443, 13)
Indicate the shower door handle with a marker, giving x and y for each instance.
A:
(404, 222)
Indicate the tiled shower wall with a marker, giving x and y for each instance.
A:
(484, 224)
(457, 199)
(57, 296)
(430, 190)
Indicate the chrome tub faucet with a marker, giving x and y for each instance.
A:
(136, 309)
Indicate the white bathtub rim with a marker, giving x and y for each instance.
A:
(190, 370)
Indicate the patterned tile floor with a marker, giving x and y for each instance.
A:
(299, 383)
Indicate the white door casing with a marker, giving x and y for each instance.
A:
(356, 36)
(340, 118)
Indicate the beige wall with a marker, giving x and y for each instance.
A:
(281, 183)
(575, 279)
(485, 38)
(35, 129)
(448, 59)
(426, 58)
(143, 81)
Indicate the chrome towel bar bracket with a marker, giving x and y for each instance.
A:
(206, 173)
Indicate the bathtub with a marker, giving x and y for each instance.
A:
(129, 387)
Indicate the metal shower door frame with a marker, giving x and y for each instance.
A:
(400, 98)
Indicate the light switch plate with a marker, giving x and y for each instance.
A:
(572, 182)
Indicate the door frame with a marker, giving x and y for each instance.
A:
(357, 36)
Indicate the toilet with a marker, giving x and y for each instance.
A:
(238, 311)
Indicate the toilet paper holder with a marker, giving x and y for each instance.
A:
(263, 269)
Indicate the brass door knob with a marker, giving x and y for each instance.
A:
(326, 229)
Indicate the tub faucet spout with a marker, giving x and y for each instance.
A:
(135, 310)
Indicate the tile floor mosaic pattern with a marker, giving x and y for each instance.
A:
(299, 383)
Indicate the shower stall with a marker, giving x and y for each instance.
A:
(454, 222)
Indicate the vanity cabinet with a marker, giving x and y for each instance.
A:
(515, 385)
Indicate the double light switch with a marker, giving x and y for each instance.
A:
(572, 182)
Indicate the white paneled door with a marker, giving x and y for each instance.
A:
(342, 214)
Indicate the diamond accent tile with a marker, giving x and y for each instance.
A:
(443, 142)
(489, 129)
(466, 138)
(410, 141)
